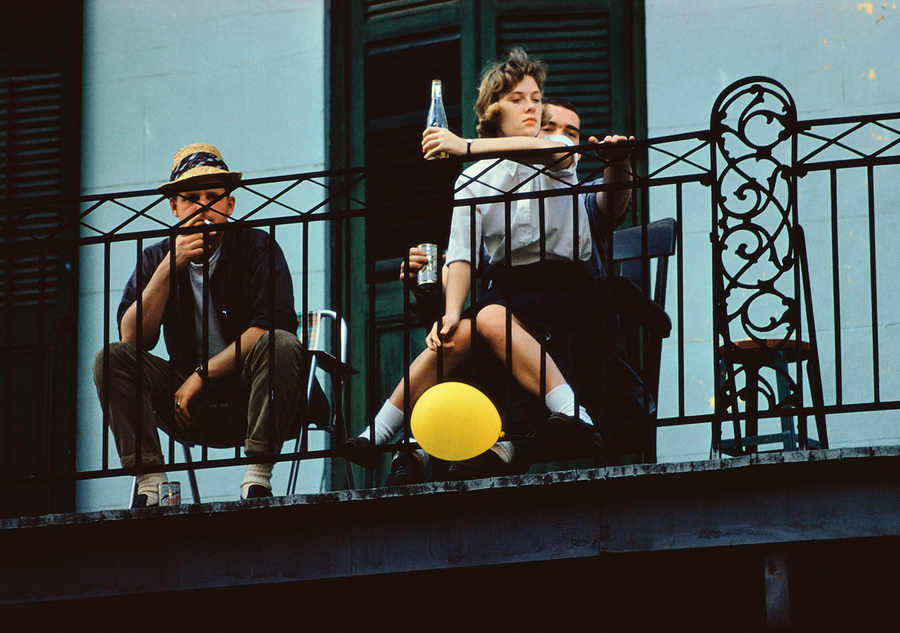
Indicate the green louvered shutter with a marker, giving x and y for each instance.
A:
(398, 75)
(589, 48)
(40, 125)
(576, 49)
(30, 166)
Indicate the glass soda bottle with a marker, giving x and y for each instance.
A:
(437, 117)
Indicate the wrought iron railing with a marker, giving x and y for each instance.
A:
(836, 178)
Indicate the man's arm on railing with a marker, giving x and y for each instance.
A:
(614, 204)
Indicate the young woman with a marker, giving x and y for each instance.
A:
(527, 280)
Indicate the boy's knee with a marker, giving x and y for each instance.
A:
(287, 345)
(118, 351)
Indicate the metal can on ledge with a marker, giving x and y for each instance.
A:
(169, 493)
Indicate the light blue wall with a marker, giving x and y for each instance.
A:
(246, 76)
(836, 59)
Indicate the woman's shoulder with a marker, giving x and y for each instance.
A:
(488, 170)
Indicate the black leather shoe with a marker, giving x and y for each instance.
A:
(361, 452)
(488, 464)
(571, 430)
(406, 469)
(562, 424)
(255, 491)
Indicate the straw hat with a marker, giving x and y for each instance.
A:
(195, 164)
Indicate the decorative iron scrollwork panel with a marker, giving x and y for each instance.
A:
(756, 280)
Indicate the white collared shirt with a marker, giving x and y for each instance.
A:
(491, 178)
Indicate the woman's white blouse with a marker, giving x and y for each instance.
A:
(492, 178)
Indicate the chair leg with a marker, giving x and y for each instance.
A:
(337, 388)
(724, 376)
(787, 421)
(299, 445)
(818, 399)
(192, 475)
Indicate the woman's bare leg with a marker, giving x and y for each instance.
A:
(423, 371)
(526, 351)
(556, 393)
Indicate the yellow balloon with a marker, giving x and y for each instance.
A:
(454, 421)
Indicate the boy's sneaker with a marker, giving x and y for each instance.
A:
(140, 501)
(255, 491)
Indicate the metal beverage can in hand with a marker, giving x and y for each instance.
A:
(428, 274)
(169, 493)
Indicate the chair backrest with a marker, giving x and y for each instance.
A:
(327, 351)
(319, 336)
(762, 308)
(629, 253)
(635, 251)
(327, 346)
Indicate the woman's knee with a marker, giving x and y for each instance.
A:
(461, 339)
(491, 322)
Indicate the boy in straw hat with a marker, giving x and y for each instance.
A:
(212, 300)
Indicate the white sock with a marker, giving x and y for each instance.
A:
(148, 485)
(256, 474)
(504, 450)
(387, 422)
(562, 400)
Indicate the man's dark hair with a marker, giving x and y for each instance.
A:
(562, 103)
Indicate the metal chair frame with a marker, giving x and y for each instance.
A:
(338, 370)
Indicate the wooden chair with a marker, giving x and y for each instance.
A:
(640, 259)
(745, 378)
(641, 256)
(760, 273)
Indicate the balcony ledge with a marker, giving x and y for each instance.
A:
(775, 498)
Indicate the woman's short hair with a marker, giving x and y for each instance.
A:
(499, 79)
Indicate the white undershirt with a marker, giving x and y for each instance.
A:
(216, 342)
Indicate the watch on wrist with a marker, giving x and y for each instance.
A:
(200, 371)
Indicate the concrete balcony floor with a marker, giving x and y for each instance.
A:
(630, 547)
